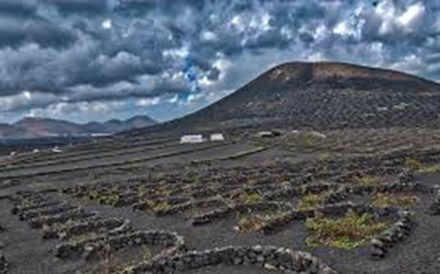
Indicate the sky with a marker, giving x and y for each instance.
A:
(95, 60)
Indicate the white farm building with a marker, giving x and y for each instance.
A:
(192, 139)
(217, 137)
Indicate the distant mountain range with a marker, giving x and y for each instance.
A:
(44, 127)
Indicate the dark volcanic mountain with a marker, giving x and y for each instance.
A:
(43, 127)
(324, 95)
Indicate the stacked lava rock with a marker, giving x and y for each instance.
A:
(270, 257)
(3, 264)
(396, 233)
(434, 208)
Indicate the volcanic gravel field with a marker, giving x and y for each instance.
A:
(245, 205)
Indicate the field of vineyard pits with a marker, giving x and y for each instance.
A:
(357, 201)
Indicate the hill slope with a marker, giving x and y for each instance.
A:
(323, 95)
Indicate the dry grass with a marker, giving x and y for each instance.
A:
(109, 262)
(160, 206)
(250, 223)
(367, 180)
(254, 222)
(430, 168)
(108, 199)
(412, 164)
(398, 200)
(248, 198)
(83, 237)
(311, 201)
(348, 232)
(415, 165)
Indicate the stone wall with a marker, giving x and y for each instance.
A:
(91, 247)
(4, 265)
(272, 257)
(393, 235)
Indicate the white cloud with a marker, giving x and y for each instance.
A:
(173, 100)
(208, 36)
(222, 64)
(107, 24)
(260, 22)
(238, 22)
(386, 10)
(204, 82)
(148, 102)
(344, 29)
(412, 16)
(321, 32)
(394, 19)
(316, 57)
(176, 53)
(79, 110)
(24, 100)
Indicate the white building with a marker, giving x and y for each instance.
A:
(56, 150)
(192, 139)
(217, 137)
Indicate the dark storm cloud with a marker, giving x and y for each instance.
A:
(79, 51)
(135, 7)
(144, 88)
(213, 74)
(18, 31)
(88, 7)
(106, 70)
(17, 7)
(268, 39)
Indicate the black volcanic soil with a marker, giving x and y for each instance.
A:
(417, 254)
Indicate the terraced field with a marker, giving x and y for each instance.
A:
(353, 201)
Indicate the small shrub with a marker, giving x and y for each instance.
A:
(93, 195)
(27, 202)
(350, 231)
(83, 237)
(165, 191)
(367, 180)
(250, 223)
(146, 253)
(160, 206)
(248, 198)
(311, 201)
(430, 168)
(111, 263)
(255, 222)
(412, 164)
(142, 192)
(399, 200)
(108, 199)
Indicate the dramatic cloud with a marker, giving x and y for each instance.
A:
(93, 60)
